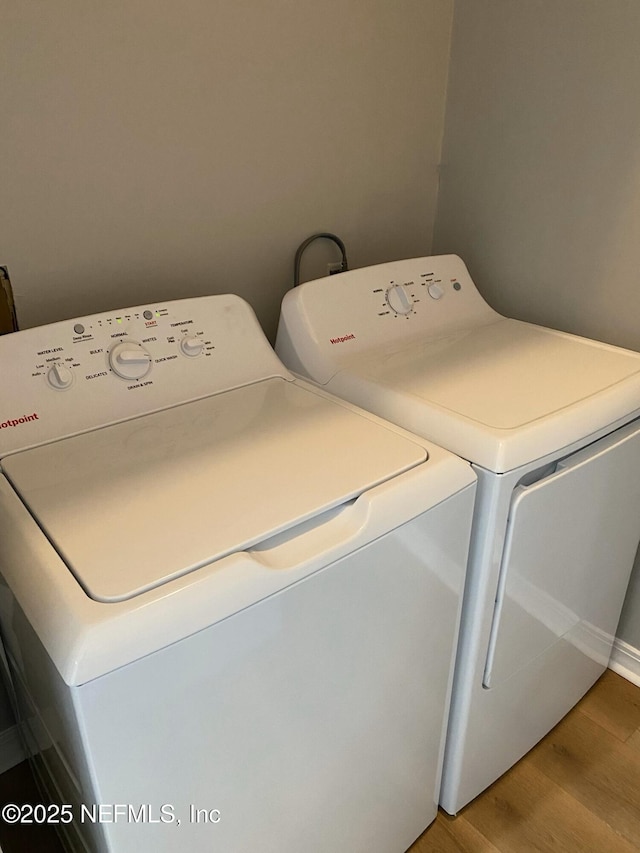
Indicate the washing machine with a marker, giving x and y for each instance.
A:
(229, 602)
(550, 423)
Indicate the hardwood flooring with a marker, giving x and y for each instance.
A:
(577, 791)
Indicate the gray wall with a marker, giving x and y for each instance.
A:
(540, 189)
(154, 150)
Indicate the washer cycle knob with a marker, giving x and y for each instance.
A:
(399, 300)
(130, 360)
(191, 346)
(59, 376)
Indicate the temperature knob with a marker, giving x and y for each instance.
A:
(59, 376)
(399, 300)
(130, 360)
(191, 346)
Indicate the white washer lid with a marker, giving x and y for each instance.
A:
(499, 395)
(136, 504)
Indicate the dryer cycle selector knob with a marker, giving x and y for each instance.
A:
(399, 300)
(191, 346)
(59, 376)
(130, 360)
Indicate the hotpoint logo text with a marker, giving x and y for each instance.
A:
(13, 422)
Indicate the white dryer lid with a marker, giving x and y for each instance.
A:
(134, 505)
(500, 395)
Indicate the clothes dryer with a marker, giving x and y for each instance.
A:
(550, 422)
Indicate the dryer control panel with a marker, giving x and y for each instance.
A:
(325, 322)
(88, 372)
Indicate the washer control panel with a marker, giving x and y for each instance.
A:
(88, 372)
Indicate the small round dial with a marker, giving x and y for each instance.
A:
(191, 346)
(399, 300)
(59, 376)
(130, 360)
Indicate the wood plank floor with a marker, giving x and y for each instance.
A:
(578, 791)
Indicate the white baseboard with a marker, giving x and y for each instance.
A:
(625, 660)
(11, 751)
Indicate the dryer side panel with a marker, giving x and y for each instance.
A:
(570, 547)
